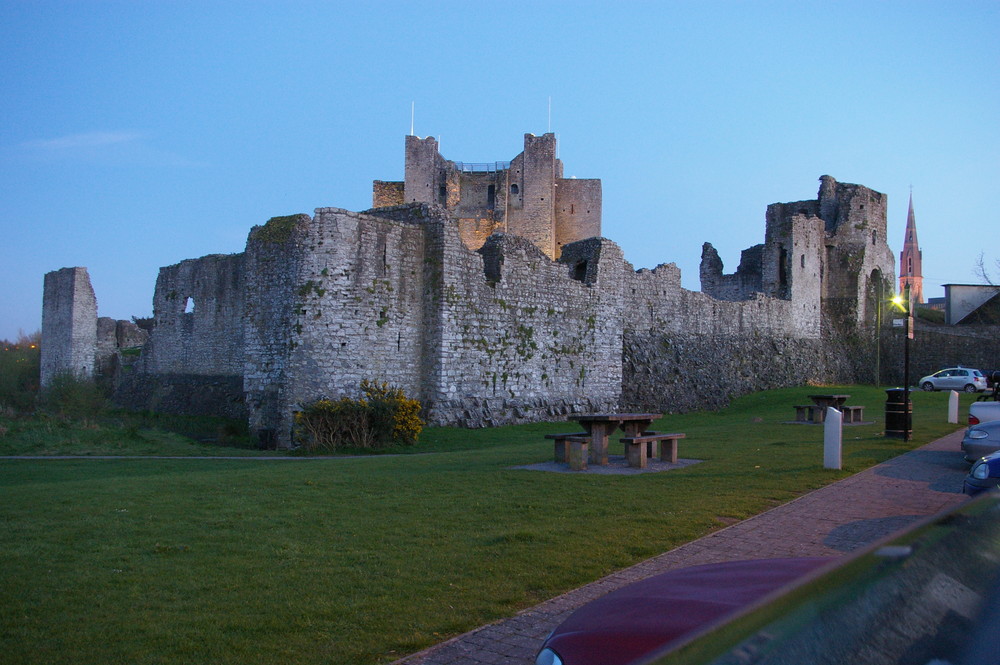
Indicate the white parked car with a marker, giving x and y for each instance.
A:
(983, 412)
(955, 378)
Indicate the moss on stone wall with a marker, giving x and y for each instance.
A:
(278, 229)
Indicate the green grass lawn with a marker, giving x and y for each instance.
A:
(365, 559)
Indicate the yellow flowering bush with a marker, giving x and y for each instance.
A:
(383, 417)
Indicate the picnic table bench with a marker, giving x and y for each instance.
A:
(572, 447)
(561, 445)
(651, 444)
(810, 413)
(853, 414)
(580, 448)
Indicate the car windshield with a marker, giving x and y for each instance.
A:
(931, 595)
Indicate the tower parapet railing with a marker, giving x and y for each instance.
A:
(482, 167)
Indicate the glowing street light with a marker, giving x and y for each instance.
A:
(905, 304)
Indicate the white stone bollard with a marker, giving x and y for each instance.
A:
(833, 431)
(953, 407)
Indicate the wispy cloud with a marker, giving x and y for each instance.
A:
(84, 140)
(121, 147)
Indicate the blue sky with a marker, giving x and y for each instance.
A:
(138, 134)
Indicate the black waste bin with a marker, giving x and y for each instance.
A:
(898, 414)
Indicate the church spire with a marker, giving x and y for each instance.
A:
(910, 269)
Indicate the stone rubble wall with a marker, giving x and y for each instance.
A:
(578, 210)
(522, 340)
(937, 346)
(114, 337)
(184, 394)
(394, 295)
(357, 307)
(273, 254)
(198, 306)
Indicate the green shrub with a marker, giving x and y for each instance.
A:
(73, 398)
(19, 374)
(383, 417)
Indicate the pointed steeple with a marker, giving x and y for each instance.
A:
(910, 268)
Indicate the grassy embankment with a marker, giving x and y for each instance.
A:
(362, 560)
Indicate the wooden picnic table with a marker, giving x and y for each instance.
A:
(836, 401)
(600, 425)
(816, 412)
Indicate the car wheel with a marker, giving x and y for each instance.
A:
(970, 388)
(928, 386)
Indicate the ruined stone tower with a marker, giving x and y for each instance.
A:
(75, 342)
(827, 256)
(527, 196)
(910, 260)
(69, 325)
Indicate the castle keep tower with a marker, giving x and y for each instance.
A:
(910, 260)
(527, 196)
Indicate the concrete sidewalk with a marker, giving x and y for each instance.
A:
(831, 521)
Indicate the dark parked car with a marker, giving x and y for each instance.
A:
(984, 474)
(928, 595)
(981, 440)
(992, 377)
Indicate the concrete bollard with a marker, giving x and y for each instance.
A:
(833, 430)
(953, 407)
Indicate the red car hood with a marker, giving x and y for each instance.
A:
(650, 614)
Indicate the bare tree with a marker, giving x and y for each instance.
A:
(982, 272)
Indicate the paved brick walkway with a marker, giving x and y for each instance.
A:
(830, 521)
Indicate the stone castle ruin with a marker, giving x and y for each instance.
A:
(488, 293)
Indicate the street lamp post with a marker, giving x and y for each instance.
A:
(906, 364)
(905, 303)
